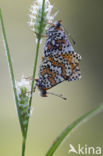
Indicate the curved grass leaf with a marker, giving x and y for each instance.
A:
(71, 127)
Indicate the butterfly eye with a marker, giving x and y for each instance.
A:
(58, 25)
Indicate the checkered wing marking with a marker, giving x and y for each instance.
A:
(57, 43)
(76, 74)
(73, 60)
(50, 73)
(56, 69)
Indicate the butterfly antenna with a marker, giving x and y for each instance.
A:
(58, 95)
(73, 41)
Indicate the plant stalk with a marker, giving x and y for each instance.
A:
(24, 134)
(7, 51)
(23, 146)
(37, 52)
(36, 57)
(34, 70)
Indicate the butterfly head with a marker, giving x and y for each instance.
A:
(39, 85)
(57, 26)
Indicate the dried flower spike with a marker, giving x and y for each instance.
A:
(36, 16)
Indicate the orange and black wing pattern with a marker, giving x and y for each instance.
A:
(60, 62)
(56, 69)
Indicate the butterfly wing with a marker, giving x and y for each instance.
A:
(50, 73)
(76, 75)
(72, 70)
(56, 69)
(57, 43)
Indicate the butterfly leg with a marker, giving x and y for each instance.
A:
(30, 78)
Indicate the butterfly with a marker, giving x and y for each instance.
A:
(60, 62)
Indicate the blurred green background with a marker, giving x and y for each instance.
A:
(84, 20)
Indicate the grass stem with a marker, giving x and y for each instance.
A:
(23, 146)
(37, 52)
(36, 57)
(24, 134)
(7, 51)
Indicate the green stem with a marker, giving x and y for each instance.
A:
(32, 86)
(37, 52)
(34, 70)
(10, 68)
(36, 57)
(71, 127)
(23, 146)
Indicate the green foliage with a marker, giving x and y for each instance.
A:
(66, 132)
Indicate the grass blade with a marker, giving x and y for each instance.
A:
(7, 51)
(72, 126)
